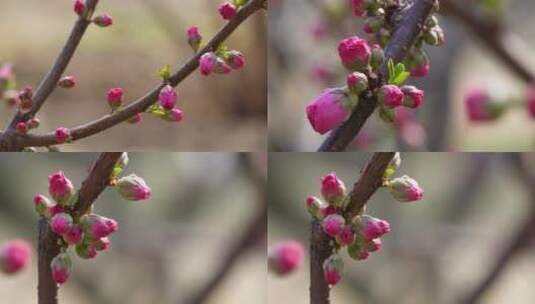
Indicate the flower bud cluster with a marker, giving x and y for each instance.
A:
(222, 62)
(229, 9)
(87, 233)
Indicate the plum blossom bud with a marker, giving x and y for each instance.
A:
(420, 70)
(377, 56)
(332, 269)
(103, 20)
(346, 236)
(227, 10)
(137, 118)
(531, 102)
(285, 257)
(62, 135)
(221, 67)
(481, 107)
(358, 7)
(328, 110)
(207, 63)
(358, 250)
(21, 127)
(372, 227)
(55, 209)
(67, 82)
(235, 60)
(97, 227)
(333, 189)
(314, 205)
(34, 123)
(79, 7)
(374, 245)
(14, 256)
(354, 53)
(327, 210)
(357, 82)
(41, 204)
(405, 189)
(393, 165)
(175, 115)
(390, 95)
(333, 224)
(74, 235)
(102, 244)
(86, 251)
(134, 188)
(61, 267)
(60, 188)
(167, 97)
(194, 37)
(413, 97)
(61, 223)
(115, 97)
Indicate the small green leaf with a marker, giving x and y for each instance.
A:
(165, 72)
(400, 78)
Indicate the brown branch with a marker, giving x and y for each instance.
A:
(492, 34)
(15, 141)
(320, 249)
(91, 188)
(402, 40)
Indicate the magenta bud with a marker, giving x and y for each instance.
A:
(61, 223)
(354, 53)
(80, 7)
(133, 188)
(41, 204)
(346, 236)
(332, 269)
(357, 82)
(207, 63)
(221, 67)
(15, 256)
(413, 97)
(74, 235)
(358, 250)
(61, 267)
(333, 189)
(62, 135)
(55, 209)
(333, 224)
(314, 206)
(115, 98)
(372, 227)
(377, 56)
(390, 95)
(21, 127)
(175, 115)
(137, 118)
(97, 227)
(374, 245)
(167, 97)
(194, 38)
(86, 251)
(103, 20)
(235, 60)
(228, 10)
(285, 257)
(329, 110)
(405, 189)
(102, 244)
(67, 82)
(60, 188)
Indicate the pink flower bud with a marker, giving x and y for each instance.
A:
(208, 62)
(97, 227)
(175, 115)
(332, 269)
(137, 118)
(405, 189)
(227, 10)
(167, 97)
(357, 250)
(481, 107)
(14, 256)
(194, 37)
(74, 235)
(333, 224)
(374, 245)
(79, 7)
(286, 257)
(86, 251)
(115, 97)
(327, 210)
(377, 56)
(314, 206)
(61, 267)
(413, 97)
(67, 82)
(55, 209)
(221, 67)
(390, 95)
(357, 82)
(420, 70)
(354, 53)
(34, 123)
(372, 227)
(346, 236)
(103, 20)
(21, 128)
(62, 135)
(41, 204)
(61, 223)
(328, 110)
(333, 189)
(133, 188)
(235, 60)
(102, 244)
(358, 7)
(60, 188)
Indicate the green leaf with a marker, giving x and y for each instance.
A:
(397, 73)
(400, 78)
(165, 72)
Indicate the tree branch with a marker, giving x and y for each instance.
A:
(402, 40)
(91, 188)
(14, 141)
(320, 249)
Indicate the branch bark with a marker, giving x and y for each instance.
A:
(320, 248)
(11, 141)
(402, 40)
(91, 188)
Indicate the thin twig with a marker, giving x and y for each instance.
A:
(91, 188)
(402, 40)
(320, 249)
(15, 141)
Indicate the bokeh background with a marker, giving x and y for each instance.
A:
(296, 59)
(222, 113)
(168, 248)
(439, 248)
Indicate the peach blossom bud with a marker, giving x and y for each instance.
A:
(74, 235)
(62, 135)
(175, 115)
(61, 267)
(413, 97)
(21, 127)
(41, 204)
(55, 209)
(60, 188)
(227, 10)
(115, 98)
(346, 236)
(235, 60)
(329, 110)
(390, 95)
(97, 227)
(137, 118)
(67, 82)
(357, 82)
(372, 227)
(374, 245)
(103, 20)
(207, 63)
(86, 251)
(194, 38)
(167, 97)
(358, 250)
(286, 257)
(333, 224)
(79, 7)
(405, 189)
(61, 223)
(221, 67)
(377, 56)
(333, 189)
(134, 188)
(327, 210)
(314, 205)
(102, 244)
(15, 256)
(332, 269)
(354, 53)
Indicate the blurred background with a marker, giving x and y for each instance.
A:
(207, 216)
(303, 62)
(473, 226)
(220, 115)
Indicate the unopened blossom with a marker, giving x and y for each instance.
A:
(74, 235)
(60, 187)
(285, 257)
(62, 135)
(332, 269)
(167, 97)
(227, 10)
(194, 37)
(134, 188)
(97, 227)
(405, 189)
(346, 236)
(67, 82)
(354, 53)
(372, 227)
(314, 205)
(14, 256)
(21, 127)
(79, 7)
(115, 97)
(207, 63)
(61, 223)
(333, 189)
(390, 95)
(333, 224)
(413, 97)
(175, 115)
(329, 110)
(235, 59)
(104, 20)
(61, 267)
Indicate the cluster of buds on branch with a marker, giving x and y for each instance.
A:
(360, 234)
(365, 58)
(14, 256)
(88, 233)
